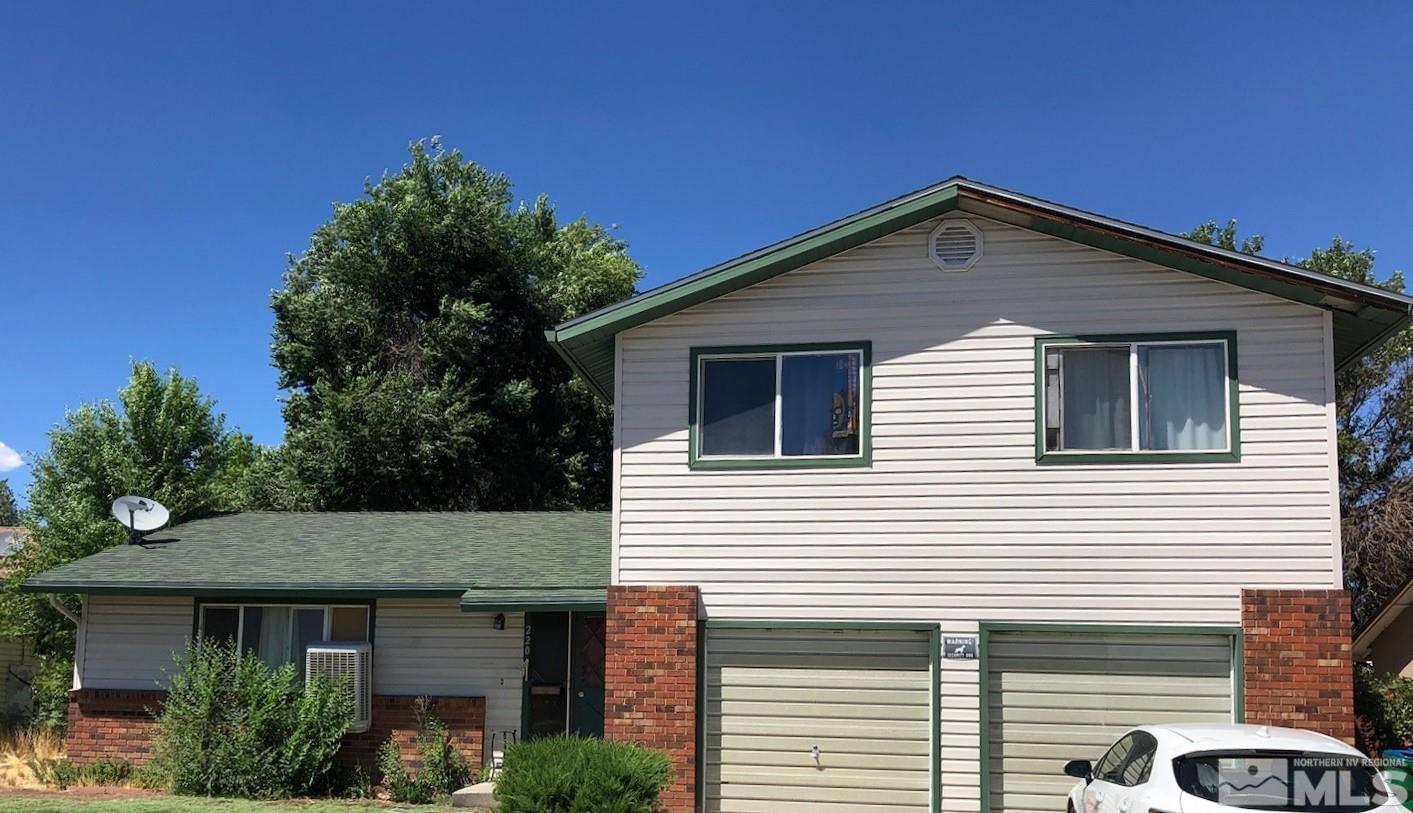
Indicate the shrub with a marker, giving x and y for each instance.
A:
(63, 774)
(1383, 707)
(443, 770)
(232, 726)
(49, 693)
(578, 775)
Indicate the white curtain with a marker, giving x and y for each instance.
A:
(1183, 393)
(1096, 398)
(273, 647)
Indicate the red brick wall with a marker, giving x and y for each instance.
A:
(395, 716)
(117, 724)
(1299, 664)
(650, 672)
(111, 724)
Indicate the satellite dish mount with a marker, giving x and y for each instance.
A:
(140, 515)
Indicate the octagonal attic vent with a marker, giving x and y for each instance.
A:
(955, 245)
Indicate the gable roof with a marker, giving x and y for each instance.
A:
(1364, 315)
(353, 554)
(1387, 617)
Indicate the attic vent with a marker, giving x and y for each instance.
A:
(955, 245)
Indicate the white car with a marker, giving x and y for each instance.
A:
(1211, 768)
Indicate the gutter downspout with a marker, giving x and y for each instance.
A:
(64, 611)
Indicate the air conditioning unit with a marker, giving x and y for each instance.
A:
(351, 663)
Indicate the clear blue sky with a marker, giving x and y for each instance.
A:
(160, 159)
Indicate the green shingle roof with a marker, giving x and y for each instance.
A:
(346, 554)
(1364, 316)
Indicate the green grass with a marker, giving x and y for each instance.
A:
(182, 804)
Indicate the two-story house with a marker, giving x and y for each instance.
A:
(908, 510)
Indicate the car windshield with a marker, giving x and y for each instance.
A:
(1282, 780)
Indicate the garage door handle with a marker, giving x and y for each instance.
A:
(814, 752)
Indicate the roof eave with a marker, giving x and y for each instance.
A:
(575, 336)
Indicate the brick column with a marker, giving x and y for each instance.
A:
(113, 724)
(650, 675)
(1299, 661)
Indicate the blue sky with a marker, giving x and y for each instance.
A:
(160, 159)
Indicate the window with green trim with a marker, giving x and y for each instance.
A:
(279, 633)
(1112, 399)
(797, 404)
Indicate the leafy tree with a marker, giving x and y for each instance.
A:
(162, 439)
(1374, 400)
(9, 512)
(410, 334)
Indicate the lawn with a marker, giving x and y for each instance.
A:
(117, 801)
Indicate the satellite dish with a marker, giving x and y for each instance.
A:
(139, 515)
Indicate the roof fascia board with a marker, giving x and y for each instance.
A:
(260, 591)
(1385, 619)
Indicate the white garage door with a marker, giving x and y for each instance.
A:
(1057, 696)
(863, 697)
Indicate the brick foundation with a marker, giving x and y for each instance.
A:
(650, 679)
(395, 716)
(1299, 665)
(111, 724)
(117, 724)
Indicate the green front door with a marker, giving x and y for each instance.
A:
(586, 675)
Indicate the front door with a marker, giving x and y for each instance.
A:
(586, 691)
(546, 674)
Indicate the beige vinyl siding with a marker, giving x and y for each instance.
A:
(955, 521)
(130, 642)
(431, 647)
(864, 697)
(1057, 696)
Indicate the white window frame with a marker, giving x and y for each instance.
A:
(779, 356)
(1133, 394)
(240, 618)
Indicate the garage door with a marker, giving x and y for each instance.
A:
(862, 697)
(1057, 696)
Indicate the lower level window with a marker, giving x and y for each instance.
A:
(279, 633)
(1166, 396)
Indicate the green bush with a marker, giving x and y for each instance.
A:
(443, 770)
(63, 774)
(232, 726)
(1383, 707)
(578, 775)
(49, 693)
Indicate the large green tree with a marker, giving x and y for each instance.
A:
(9, 512)
(161, 439)
(410, 336)
(1374, 399)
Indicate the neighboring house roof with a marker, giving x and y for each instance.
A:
(1387, 617)
(512, 554)
(1364, 316)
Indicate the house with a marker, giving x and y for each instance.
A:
(16, 658)
(908, 510)
(454, 605)
(1386, 642)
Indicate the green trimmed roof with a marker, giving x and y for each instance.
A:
(352, 554)
(534, 598)
(1364, 316)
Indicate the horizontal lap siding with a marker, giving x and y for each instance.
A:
(132, 642)
(954, 521)
(431, 647)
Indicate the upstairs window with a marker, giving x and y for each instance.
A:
(798, 405)
(1156, 399)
